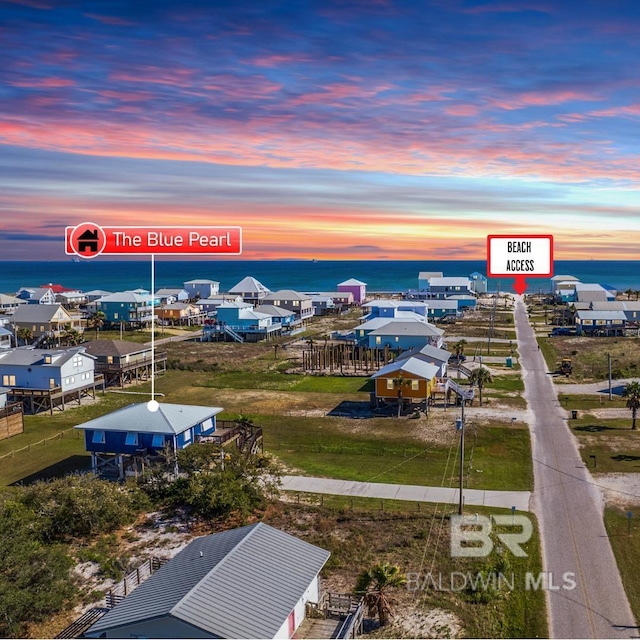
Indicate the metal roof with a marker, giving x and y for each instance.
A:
(416, 366)
(287, 294)
(601, 315)
(126, 296)
(29, 357)
(449, 281)
(275, 311)
(169, 418)
(426, 275)
(607, 305)
(201, 282)
(249, 285)
(241, 583)
(397, 328)
(428, 351)
(352, 282)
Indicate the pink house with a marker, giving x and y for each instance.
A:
(358, 288)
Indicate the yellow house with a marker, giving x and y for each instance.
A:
(411, 379)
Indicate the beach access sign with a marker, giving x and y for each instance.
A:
(89, 240)
(520, 257)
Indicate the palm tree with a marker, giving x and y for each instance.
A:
(481, 377)
(25, 334)
(459, 347)
(628, 293)
(373, 586)
(632, 393)
(96, 321)
(71, 337)
(399, 383)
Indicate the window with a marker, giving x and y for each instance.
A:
(187, 436)
(115, 316)
(415, 385)
(296, 303)
(158, 441)
(98, 437)
(52, 383)
(47, 359)
(77, 361)
(397, 339)
(389, 383)
(131, 439)
(8, 381)
(109, 359)
(378, 339)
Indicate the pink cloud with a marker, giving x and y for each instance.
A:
(110, 20)
(543, 98)
(43, 83)
(463, 110)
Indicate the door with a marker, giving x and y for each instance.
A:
(292, 623)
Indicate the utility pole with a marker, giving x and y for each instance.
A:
(460, 426)
(609, 363)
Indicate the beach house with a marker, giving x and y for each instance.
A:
(37, 295)
(180, 313)
(425, 276)
(122, 362)
(239, 321)
(356, 287)
(403, 335)
(433, 355)
(121, 441)
(198, 289)
(479, 282)
(252, 582)
(407, 380)
(592, 292)
(250, 289)
(44, 379)
(299, 303)
(45, 321)
(126, 307)
(9, 303)
(600, 323)
(168, 295)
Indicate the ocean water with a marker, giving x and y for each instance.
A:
(301, 275)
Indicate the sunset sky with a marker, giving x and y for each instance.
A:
(346, 129)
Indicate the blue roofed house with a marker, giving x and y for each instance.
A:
(120, 441)
(252, 582)
(240, 321)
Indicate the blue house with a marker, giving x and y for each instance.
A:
(127, 306)
(443, 308)
(479, 282)
(405, 335)
(240, 321)
(464, 301)
(394, 308)
(121, 440)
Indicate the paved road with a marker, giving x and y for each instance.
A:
(411, 493)
(569, 508)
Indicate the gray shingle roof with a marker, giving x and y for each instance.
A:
(114, 347)
(428, 351)
(37, 313)
(287, 294)
(169, 418)
(241, 583)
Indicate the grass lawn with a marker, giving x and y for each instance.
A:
(506, 383)
(626, 549)
(615, 445)
(589, 356)
(288, 382)
(499, 456)
(590, 401)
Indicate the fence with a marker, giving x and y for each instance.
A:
(28, 447)
(131, 581)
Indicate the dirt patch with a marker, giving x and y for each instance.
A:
(619, 489)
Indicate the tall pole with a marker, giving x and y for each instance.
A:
(609, 363)
(461, 502)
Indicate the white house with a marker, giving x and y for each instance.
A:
(200, 288)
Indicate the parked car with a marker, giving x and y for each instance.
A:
(561, 331)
